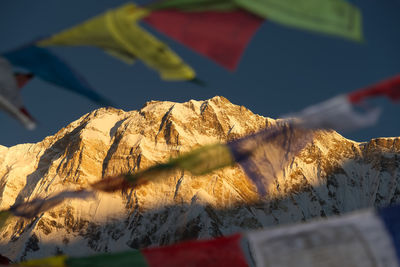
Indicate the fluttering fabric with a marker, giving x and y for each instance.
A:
(10, 96)
(340, 113)
(49, 67)
(223, 251)
(389, 88)
(366, 238)
(263, 156)
(335, 17)
(336, 113)
(22, 78)
(198, 162)
(117, 32)
(32, 208)
(219, 35)
(194, 5)
(362, 238)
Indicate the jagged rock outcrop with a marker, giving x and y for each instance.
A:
(331, 175)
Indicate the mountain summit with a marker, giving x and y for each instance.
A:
(331, 175)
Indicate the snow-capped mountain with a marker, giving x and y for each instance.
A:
(331, 175)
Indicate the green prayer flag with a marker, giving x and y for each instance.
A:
(200, 161)
(195, 5)
(205, 159)
(131, 258)
(336, 17)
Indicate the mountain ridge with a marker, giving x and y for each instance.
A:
(332, 175)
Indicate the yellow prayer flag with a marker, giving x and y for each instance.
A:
(118, 33)
(56, 261)
(4, 215)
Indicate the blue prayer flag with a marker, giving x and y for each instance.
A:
(49, 67)
(265, 154)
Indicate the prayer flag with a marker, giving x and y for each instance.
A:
(222, 251)
(117, 32)
(34, 207)
(4, 260)
(263, 156)
(391, 218)
(4, 215)
(389, 88)
(219, 35)
(44, 64)
(194, 5)
(361, 239)
(22, 78)
(339, 112)
(336, 113)
(56, 261)
(336, 17)
(199, 161)
(128, 258)
(10, 96)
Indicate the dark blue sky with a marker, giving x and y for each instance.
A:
(282, 70)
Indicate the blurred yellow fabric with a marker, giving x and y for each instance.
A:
(4, 215)
(57, 261)
(118, 33)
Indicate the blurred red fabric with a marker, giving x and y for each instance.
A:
(220, 36)
(389, 88)
(223, 251)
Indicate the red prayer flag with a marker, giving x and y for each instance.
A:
(220, 36)
(4, 260)
(389, 88)
(223, 251)
(22, 78)
(24, 111)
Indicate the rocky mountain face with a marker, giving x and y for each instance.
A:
(331, 175)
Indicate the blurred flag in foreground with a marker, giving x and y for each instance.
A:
(219, 35)
(35, 207)
(334, 17)
(262, 155)
(22, 78)
(47, 66)
(118, 33)
(389, 88)
(340, 113)
(10, 97)
(223, 251)
(366, 238)
(363, 238)
(194, 5)
(198, 162)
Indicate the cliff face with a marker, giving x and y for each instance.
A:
(332, 175)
